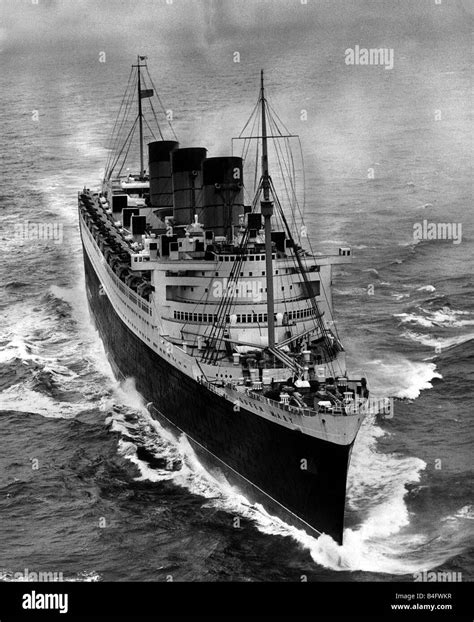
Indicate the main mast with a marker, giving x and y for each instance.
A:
(267, 212)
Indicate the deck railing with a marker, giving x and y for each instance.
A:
(294, 410)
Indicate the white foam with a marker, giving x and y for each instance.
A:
(366, 546)
(445, 317)
(466, 512)
(400, 296)
(21, 348)
(407, 318)
(438, 342)
(21, 399)
(396, 376)
(450, 317)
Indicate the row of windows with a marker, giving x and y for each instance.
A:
(233, 258)
(301, 314)
(184, 288)
(203, 318)
(248, 318)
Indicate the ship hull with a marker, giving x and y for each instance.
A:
(299, 478)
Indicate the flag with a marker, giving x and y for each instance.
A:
(143, 57)
(146, 93)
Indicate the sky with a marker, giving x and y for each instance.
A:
(27, 24)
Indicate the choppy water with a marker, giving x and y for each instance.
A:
(90, 486)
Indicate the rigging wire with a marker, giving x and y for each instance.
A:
(112, 134)
(161, 103)
(125, 117)
(129, 146)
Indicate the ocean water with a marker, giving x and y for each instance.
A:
(90, 485)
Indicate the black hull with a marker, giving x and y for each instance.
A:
(264, 460)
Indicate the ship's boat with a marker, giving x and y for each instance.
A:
(206, 290)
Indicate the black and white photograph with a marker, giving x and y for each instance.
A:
(236, 303)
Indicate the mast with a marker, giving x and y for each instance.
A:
(140, 117)
(267, 212)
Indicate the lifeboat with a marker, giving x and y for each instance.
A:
(121, 270)
(108, 254)
(114, 262)
(133, 280)
(145, 289)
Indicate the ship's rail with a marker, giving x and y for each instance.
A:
(306, 412)
(126, 291)
(335, 410)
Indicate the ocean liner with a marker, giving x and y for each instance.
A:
(221, 312)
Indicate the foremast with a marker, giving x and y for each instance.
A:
(138, 66)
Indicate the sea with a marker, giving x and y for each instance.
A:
(93, 488)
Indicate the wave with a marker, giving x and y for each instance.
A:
(412, 243)
(19, 398)
(400, 296)
(443, 343)
(408, 318)
(158, 456)
(380, 500)
(444, 318)
(15, 285)
(18, 348)
(466, 512)
(396, 376)
(350, 291)
(449, 317)
(52, 351)
(372, 271)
